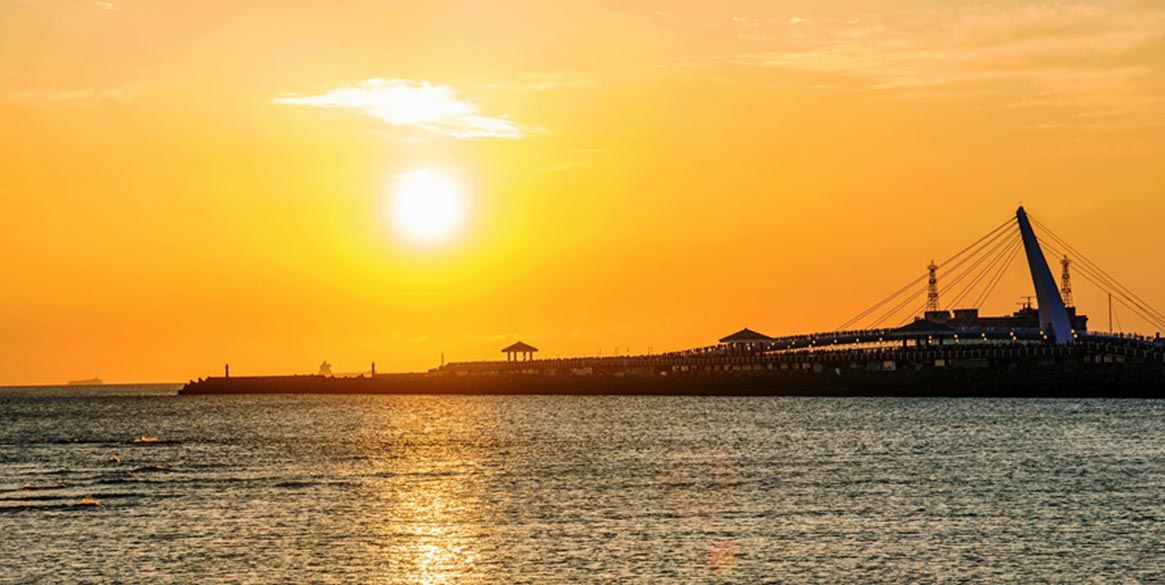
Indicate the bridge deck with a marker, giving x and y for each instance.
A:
(818, 352)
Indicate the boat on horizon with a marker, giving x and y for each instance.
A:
(86, 382)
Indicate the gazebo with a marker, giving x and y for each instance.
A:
(519, 351)
(745, 336)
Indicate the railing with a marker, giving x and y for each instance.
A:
(840, 345)
(831, 355)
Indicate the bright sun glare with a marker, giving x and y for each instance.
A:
(427, 205)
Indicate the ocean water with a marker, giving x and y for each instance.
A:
(427, 489)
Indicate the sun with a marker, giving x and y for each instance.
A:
(427, 205)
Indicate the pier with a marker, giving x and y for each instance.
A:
(1043, 350)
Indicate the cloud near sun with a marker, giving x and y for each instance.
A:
(420, 104)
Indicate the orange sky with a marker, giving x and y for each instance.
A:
(184, 184)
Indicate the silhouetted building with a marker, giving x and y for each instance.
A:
(519, 351)
(745, 337)
(1026, 317)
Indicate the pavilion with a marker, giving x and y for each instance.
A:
(519, 351)
(745, 336)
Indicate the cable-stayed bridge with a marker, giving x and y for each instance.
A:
(912, 315)
(906, 344)
(910, 324)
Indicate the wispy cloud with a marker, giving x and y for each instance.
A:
(745, 21)
(105, 5)
(579, 158)
(659, 16)
(565, 166)
(1084, 53)
(85, 97)
(418, 104)
(535, 82)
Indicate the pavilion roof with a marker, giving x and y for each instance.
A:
(745, 335)
(519, 347)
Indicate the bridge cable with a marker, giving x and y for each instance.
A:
(1088, 273)
(1112, 281)
(863, 314)
(1116, 287)
(916, 281)
(975, 253)
(900, 291)
(991, 248)
(994, 241)
(982, 298)
(1136, 307)
(1114, 314)
(1122, 299)
(897, 308)
(969, 270)
(894, 310)
(988, 270)
(1004, 260)
(911, 316)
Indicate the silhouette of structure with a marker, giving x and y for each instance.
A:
(519, 352)
(1043, 350)
(932, 287)
(87, 382)
(745, 338)
(1053, 314)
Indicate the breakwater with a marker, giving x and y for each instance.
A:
(1020, 370)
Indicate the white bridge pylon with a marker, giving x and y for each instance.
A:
(1053, 314)
(973, 273)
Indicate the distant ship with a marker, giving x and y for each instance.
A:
(88, 382)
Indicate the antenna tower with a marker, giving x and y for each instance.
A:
(932, 287)
(1066, 282)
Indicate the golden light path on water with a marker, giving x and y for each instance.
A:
(427, 511)
(446, 506)
(433, 532)
(503, 489)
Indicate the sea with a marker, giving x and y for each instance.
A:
(135, 484)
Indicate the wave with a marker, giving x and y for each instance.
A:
(41, 486)
(296, 484)
(33, 507)
(50, 502)
(75, 497)
(64, 441)
(148, 440)
(421, 474)
(151, 469)
(125, 479)
(38, 498)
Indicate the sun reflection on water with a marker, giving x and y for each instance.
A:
(438, 548)
(429, 506)
(552, 489)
